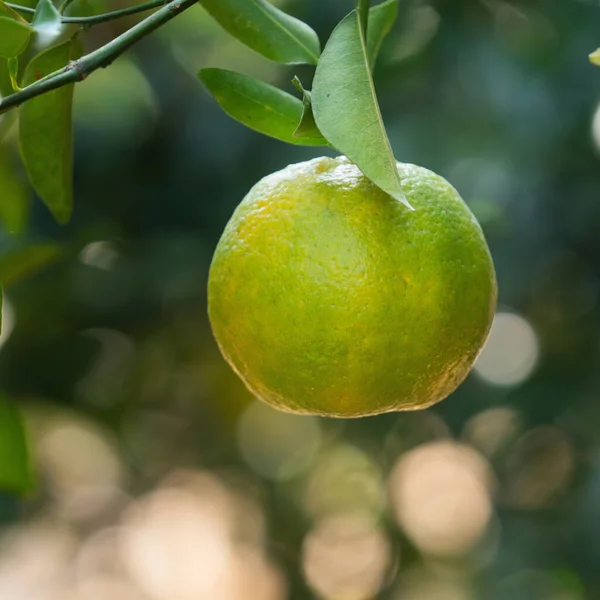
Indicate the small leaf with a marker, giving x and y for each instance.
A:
(307, 126)
(381, 20)
(47, 23)
(346, 108)
(15, 466)
(595, 57)
(20, 263)
(46, 136)
(14, 37)
(258, 105)
(14, 198)
(12, 65)
(266, 29)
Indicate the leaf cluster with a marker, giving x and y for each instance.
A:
(340, 111)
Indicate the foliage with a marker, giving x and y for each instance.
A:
(43, 82)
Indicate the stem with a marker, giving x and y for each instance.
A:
(93, 20)
(363, 11)
(23, 9)
(115, 14)
(78, 70)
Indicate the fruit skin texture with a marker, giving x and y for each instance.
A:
(329, 297)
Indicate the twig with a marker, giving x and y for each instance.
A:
(115, 14)
(80, 69)
(23, 9)
(95, 19)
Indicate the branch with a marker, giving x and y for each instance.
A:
(23, 9)
(93, 20)
(80, 69)
(115, 14)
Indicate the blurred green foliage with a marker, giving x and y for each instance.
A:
(110, 354)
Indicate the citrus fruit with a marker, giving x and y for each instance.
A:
(327, 296)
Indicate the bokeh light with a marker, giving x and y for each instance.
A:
(491, 430)
(346, 556)
(441, 495)
(413, 429)
(184, 541)
(105, 588)
(540, 466)
(422, 583)
(101, 255)
(275, 444)
(344, 480)
(82, 464)
(510, 353)
(33, 559)
(99, 555)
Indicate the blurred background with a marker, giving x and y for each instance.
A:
(161, 478)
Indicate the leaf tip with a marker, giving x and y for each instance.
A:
(203, 74)
(595, 57)
(298, 84)
(62, 215)
(402, 198)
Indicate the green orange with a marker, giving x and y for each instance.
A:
(329, 297)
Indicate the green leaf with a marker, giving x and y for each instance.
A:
(381, 20)
(14, 37)
(6, 119)
(258, 105)
(46, 136)
(14, 197)
(6, 122)
(7, 11)
(15, 466)
(5, 87)
(346, 108)
(595, 57)
(20, 263)
(13, 72)
(266, 29)
(307, 126)
(47, 23)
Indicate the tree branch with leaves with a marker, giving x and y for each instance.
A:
(43, 62)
